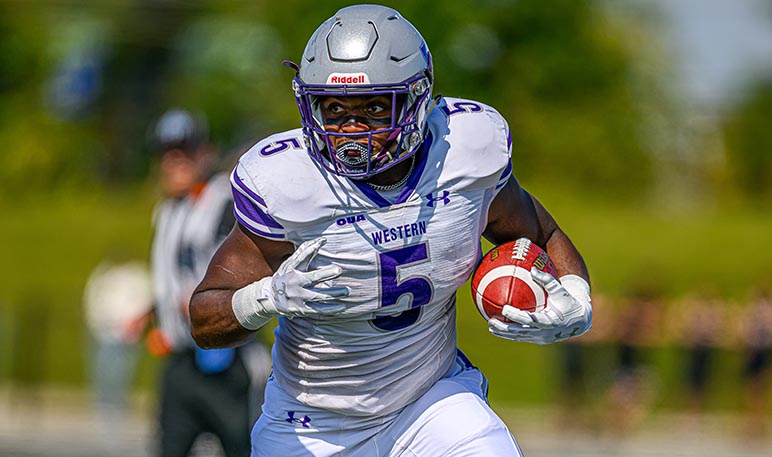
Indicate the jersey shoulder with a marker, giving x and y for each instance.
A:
(475, 140)
(276, 184)
(279, 165)
(274, 154)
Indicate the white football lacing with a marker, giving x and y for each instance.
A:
(521, 248)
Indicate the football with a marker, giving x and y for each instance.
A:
(503, 277)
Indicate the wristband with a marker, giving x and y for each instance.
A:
(580, 290)
(251, 305)
(577, 287)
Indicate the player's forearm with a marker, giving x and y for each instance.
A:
(558, 246)
(212, 321)
(565, 255)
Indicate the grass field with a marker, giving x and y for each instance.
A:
(52, 243)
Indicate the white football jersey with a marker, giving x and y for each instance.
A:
(402, 259)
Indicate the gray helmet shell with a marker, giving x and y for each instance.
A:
(370, 39)
(366, 50)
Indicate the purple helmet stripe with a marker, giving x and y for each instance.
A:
(509, 138)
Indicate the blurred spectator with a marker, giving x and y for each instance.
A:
(572, 389)
(757, 336)
(633, 390)
(202, 391)
(117, 300)
(575, 357)
(700, 329)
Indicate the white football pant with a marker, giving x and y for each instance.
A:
(451, 419)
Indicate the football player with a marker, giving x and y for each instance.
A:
(356, 230)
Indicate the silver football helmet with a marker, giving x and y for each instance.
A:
(365, 50)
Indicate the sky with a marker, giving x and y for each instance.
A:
(720, 45)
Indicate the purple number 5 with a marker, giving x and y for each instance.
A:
(279, 146)
(462, 107)
(392, 289)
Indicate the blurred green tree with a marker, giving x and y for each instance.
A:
(558, 71)
(748, 139)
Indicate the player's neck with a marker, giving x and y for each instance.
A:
(394, 177)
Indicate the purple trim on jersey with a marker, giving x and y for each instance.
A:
(464, 358)
(253, 212)
(255, 230)
(504, 176)
(411, 184)
(507, 171)
(241, 187)
(412, 181)
(372, 194)
(509, 138)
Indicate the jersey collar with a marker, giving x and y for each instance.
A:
(410, 185)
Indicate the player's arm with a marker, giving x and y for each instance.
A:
(251, 279)
(515, 213)
(242, 259)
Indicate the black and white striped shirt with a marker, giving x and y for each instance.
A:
(187, 233)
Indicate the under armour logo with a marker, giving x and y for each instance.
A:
(559, 335)
(291, 419)
(440, 198)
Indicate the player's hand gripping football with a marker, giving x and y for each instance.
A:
(568, 312)
(292, 291)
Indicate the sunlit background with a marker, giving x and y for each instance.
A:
(645, 127)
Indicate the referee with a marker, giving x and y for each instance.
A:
(202, 391)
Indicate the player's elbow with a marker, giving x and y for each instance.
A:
(202, 339)
(203, 323)
(200, 336)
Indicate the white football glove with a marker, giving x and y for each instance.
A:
(292, 290)
(568, 312)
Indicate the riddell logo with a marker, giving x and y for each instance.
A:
(348, 78)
